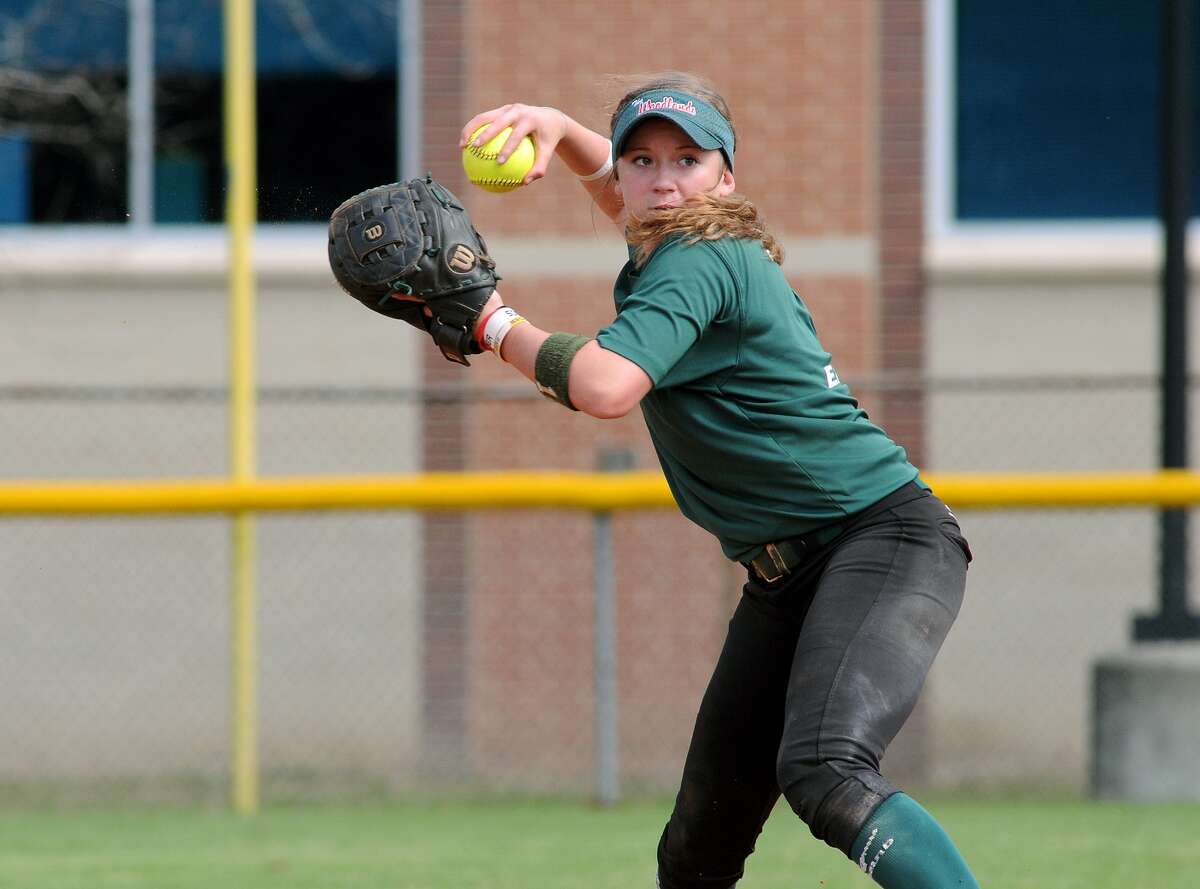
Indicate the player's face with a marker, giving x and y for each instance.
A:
(661, 167)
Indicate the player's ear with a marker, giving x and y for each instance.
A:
(726, 185)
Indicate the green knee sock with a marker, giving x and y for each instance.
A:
(903, 847)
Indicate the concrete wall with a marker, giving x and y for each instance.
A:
(1049, 592)
(115, 645)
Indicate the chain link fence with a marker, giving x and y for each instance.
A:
(454, 652)
(116, 642)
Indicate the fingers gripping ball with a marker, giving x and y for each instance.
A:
(409, 250)
(480, 162)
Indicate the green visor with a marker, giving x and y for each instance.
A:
(703, 123)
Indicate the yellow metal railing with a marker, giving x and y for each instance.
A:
(593, 492)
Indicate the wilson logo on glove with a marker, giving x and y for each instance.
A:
(374, 233)
(462, 260)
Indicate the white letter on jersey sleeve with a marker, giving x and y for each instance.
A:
(831, 376)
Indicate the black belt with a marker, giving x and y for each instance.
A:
(780, 557)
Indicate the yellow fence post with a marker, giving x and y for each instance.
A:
(240, 215)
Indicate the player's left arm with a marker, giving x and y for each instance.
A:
(601, 383)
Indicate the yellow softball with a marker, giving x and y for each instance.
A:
(480, 162)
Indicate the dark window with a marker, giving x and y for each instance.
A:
(326, 99)
(1057, 109)
(320, 139)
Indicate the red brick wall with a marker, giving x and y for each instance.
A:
(798, 76)
(901, 215)
(822, 158)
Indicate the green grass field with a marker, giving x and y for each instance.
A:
(530, 845)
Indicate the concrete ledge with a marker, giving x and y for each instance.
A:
(1146, 724)
(167, 254)
(1102, 253)
(285, 254)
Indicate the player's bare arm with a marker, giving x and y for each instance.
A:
(602, 384)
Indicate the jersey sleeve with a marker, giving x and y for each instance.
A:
(681, 291)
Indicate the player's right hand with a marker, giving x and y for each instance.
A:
(546, 126)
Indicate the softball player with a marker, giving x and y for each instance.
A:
(855, 570)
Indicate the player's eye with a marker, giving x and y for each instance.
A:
(688, 160)
(641, 160)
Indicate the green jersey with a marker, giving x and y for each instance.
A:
(758, 437)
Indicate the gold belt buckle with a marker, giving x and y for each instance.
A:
(777, 561)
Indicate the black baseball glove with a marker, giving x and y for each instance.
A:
(415, 239)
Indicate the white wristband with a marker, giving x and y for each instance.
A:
(605, 168)
(498, 325)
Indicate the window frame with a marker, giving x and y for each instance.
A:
(1128, 243)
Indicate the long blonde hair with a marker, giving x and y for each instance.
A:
(703, 217)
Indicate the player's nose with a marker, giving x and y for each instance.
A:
(663, 180)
